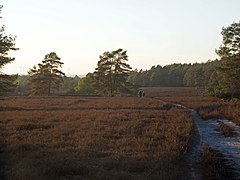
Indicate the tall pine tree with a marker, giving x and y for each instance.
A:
(229, 53)
(110, 76)
(47, 77)
(7, 43)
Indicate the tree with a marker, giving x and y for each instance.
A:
(199, 76)
(47, 77)
(69, 84)
(229, 53)
(157, 76)
(23, 86)
(7, 43)
(110, 76)
(175, 74)
(85, 85)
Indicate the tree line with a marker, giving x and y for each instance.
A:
(113, 75)
(177, 75)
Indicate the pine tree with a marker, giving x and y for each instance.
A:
(110, 76)
(229, 53)
(7, 43)
(199, 77)
(47, 77)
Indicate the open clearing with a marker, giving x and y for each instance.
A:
(120, 138)
(92, 138)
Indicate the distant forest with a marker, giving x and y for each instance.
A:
(178, 75)
(202, 75)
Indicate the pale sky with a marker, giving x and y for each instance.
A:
(154, 32)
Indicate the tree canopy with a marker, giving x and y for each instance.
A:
(85, 85)
(177, 75)
(229, 53)
(110, 76)
(7, 43)
(46, 77)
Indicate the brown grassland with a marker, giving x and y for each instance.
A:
(207, 107)
(106, 138)
(92, 138)
(214, 165)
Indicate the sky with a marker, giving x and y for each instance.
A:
(154, 32)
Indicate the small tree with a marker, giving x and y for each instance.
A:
(47, 77)
(85, 85)
(69, 84)
(7, 43)
(229, 53)
(110, 76)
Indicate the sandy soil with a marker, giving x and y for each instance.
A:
(206, 132)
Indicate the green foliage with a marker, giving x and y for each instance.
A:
(85, 85)
(67, 87)
(69, 84)
(138, 78)
(47, 77)
(7, 43)
(7, 83)
(229, 53)
(177, 75)
(23, 86)
(110, 76)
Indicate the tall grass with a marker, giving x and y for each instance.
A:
(215, 166)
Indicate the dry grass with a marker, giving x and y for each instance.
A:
(211, 108)
(224, 129)
(215, 166)
(92, 138)
(172, 91)
(207, 107)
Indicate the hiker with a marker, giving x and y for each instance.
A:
(143, 94)
(140, 93)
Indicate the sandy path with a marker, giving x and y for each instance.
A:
(193, 154)
(208, 134)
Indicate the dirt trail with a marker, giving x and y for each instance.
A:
(229, 147)
(193, 155)
(208, 133)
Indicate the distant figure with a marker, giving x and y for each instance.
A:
(140, 93)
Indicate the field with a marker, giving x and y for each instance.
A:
(172, 91)
(216, 162)
(92, 138)
(108, 138)
(207, 107)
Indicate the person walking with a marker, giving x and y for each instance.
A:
(140, 93)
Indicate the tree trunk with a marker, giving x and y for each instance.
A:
(49, 87)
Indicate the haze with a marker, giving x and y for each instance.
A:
(152, 31)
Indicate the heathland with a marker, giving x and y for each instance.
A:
(107, 138)
(92, 138)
